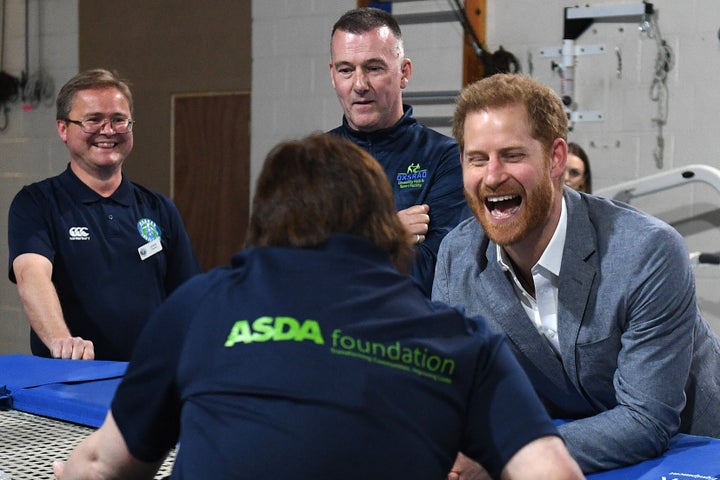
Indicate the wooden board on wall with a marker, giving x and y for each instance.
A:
(211, 172)
(473, 68)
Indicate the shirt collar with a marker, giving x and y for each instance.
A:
(85, 194)
(388, 133)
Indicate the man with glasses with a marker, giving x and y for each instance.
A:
(92, 253)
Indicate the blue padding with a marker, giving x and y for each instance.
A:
(78, 391)
(85, 403)
(688, 457)
(5, 398)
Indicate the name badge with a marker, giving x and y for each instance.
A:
(149, 249)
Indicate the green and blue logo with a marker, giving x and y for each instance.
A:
(148, 229)
(413, 177)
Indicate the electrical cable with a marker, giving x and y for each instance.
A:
(659, 92)
(469, 31)
(38, 86)
(501, 61)
(8, 83)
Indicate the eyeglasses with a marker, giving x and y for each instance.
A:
(94, 125)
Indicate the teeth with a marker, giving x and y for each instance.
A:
(105, 144)
(500, 199)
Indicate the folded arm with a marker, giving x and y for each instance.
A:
(657, 318)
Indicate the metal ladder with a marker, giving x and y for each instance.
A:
(438, 97)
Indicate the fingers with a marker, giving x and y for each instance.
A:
(417, 209)
(58, 467)
(416, 221)
(88, 351)
(75, 348)
(467, 469)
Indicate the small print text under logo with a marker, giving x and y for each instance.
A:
(79, 233)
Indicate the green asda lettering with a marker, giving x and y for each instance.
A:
(276, 329)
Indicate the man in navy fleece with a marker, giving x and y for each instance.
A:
(369, 71)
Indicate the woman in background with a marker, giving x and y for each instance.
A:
(577, 169)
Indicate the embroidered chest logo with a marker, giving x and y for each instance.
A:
(148, 229)
(78, 233)
(413, 177)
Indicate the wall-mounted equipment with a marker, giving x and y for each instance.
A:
(577, 20)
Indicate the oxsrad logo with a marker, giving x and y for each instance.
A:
(79, 233)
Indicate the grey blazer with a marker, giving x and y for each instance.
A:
(637, 361)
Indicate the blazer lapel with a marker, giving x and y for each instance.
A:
(577, 274)
(509, 314)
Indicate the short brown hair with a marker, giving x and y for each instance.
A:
(309, 189)
(363, 20)
(90, 79)
(367, 19)
(546, 116)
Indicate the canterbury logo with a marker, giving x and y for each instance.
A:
(79, 233)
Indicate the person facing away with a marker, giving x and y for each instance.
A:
(312, 356)
(92, 253)
(369, 70)
(578, 175)
(597, 299)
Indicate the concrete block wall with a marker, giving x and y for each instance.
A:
(30, 148)
(291, 91)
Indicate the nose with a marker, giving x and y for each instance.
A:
(361, 81)
(107, 124)
(494, 172)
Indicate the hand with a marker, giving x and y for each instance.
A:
(58, 468)
(75, 348)
(416, 221)
(467, 469)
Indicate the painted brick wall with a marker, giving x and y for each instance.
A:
(30, 149)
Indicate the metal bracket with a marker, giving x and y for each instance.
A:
(578, 50)
(578, 116)
(579, 19)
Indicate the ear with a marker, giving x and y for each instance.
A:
(406, 72)
(332, 73)
(62, 127)
(558, 158)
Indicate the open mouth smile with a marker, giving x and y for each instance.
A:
(105, 144)
(503, 206)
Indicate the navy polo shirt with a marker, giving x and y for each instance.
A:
(321, 363)
(114, 259)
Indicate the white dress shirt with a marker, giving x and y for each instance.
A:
(542, 309)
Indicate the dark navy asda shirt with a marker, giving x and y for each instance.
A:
(106, 290)
(422, 166)
(321, 363)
